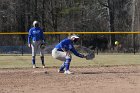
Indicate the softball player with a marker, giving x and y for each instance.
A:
(62, 52)
(35, 39)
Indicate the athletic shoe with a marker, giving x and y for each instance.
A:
(60, 71)
(34, 66)
(68, 72)
(43, 66)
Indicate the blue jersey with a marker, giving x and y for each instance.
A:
(35, 34)
(67, 44)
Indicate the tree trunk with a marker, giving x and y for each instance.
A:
(111, 22)
(43, 15)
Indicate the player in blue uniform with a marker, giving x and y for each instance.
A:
(62, 51)
(35, 39)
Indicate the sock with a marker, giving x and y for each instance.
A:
(33, 60)
(62, 67)
(42, 60)
(67, 64)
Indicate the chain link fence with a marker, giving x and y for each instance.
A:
(17, 44)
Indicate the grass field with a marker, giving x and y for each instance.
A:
(100, 60)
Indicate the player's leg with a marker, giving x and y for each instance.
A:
(66, 59)
(67, 65)
(33, 62)
(34, 49)
(61, 69)
(42, 56)
(60, 56)
(42, 61)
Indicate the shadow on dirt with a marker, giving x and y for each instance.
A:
(108, 72)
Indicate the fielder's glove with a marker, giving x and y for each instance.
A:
(43, 45)
(90, 56)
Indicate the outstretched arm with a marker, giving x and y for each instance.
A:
(76, 53)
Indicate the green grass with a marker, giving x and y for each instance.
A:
(100, 60)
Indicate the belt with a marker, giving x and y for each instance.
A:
(59, 50)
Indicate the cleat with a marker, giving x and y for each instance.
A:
(34, 66)
(68, 72)
(61, 71)
(43, 66)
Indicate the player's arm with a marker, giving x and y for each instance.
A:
(29, 38)
(76, 53)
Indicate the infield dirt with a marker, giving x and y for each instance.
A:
(113, 79)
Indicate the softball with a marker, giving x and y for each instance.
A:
(116, 42)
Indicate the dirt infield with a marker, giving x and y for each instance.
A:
(114, 79)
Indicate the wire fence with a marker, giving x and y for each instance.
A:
(15, 43)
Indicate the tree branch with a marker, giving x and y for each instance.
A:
(101, 3)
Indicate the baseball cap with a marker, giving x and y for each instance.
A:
(74, 36)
